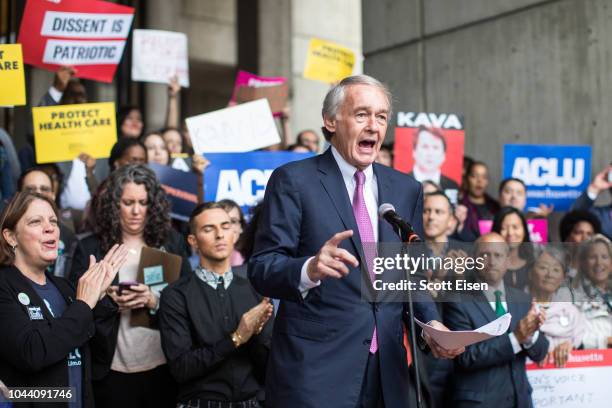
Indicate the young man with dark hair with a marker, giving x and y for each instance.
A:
(214, 326)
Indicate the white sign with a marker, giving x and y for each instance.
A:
(86, 52)
(86, 25)
(158, 55)
(583, 383)
(241, 128)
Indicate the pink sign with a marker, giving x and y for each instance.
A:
(245, 78)
(538, 229)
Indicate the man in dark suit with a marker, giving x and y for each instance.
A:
(492, 373)
(429, 154)
(330, 347)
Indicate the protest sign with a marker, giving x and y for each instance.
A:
(239, 128)
(276, 95)
(89, 35)
(158, 55)
(429, 146)
(62, 132)
(582, 383)
(328, 62)
(553, 174)
(181, 188)
(245, 78)
(538, 229)
(12, 80)
(242, 177)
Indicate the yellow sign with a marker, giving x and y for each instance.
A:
(63, 132)
(12, 80)
(328, 62)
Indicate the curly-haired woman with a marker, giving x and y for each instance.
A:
(132, 209)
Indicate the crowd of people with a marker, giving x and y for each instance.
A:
(73, 234)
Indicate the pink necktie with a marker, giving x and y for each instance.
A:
(366, 233)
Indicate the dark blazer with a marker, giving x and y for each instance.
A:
(321, 343)
(104, 350)
(202, 354)
(446, 183)
(488, 373)
(603, 213)
(34, 352)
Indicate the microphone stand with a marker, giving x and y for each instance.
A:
(413, 339)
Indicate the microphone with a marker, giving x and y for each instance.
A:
(387, 211)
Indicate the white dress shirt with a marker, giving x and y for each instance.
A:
(420, 176)
(370, 195)
(490, 295)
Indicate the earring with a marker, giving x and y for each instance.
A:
(14, 248)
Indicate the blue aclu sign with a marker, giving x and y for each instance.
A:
(553, 174)
(243, 177)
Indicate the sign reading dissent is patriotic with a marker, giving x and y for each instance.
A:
(89, 35)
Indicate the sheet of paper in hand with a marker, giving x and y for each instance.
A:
(456, 339)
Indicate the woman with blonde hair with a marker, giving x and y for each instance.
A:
(593, 292)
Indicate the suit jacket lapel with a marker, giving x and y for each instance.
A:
(385, 194)
(485, 308)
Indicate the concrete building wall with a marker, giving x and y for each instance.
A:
(520, 71)
(338, 21)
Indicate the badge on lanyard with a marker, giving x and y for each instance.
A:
(23, 299)
(35, 313)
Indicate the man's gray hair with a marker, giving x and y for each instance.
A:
(335, 97)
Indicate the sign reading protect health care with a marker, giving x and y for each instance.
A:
(12, 80)
(243, 177)
(553, 174)
(62, 132)
(89, 35)
(328, 62)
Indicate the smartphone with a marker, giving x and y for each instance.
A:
(610, 176)
(126, 285)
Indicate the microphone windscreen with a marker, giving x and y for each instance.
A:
(385, 208)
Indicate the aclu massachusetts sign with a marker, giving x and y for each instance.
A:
(553, 174)
(243, 177)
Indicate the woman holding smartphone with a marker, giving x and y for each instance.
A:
(47, 325)
(131, 208)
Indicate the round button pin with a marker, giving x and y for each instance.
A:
(23, 299)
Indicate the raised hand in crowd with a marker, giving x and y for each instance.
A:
(199, 163)
(253, 321)
(600, 182)
(62, 77)
(461, 213)
(90, 162)
(174, 87)
(172, 114)
(529, 324)
(331, 261)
